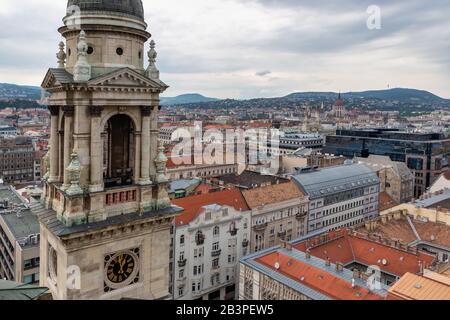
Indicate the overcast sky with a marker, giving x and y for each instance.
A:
(259, 48)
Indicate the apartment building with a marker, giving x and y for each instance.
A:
(395, 177)
(19, 239)
(278, 213)
(17, 161)
(210, 237)
(340, 196)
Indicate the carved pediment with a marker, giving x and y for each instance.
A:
(127, 77)
(56, 78)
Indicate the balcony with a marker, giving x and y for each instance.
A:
(300, 215)
(233, 232)
(260, 227)
(182, 263)
(245, 243)
(282, 234)
(216, 253)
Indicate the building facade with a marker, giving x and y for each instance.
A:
(340, 196)
(279, 213)
(105, 214)
(17, 162)
(210, 237)
(19, 239)
(425, 154)
(395, 177)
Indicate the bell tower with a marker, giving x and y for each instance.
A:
(105, 213)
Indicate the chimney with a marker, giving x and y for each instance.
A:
(308, 254)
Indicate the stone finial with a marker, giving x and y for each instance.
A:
(61, 56)
(82, 70)
(152, 72)
(74, 174)
(160, 163)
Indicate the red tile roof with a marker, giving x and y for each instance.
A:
(349, 248)
(317, 279)
(192, 205)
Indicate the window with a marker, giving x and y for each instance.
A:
(90, 50)
(182, 240)
(180, 291)
(215, 246)
(119, 51)
(216, 231)
(181, 273)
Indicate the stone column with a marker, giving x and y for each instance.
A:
(145, 146)
(154, 136)
(137, 157)
(54, 144)
(68, 121)
(96, 168)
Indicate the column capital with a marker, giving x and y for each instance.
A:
(69, 111)
(146, 111)
(54, 110)
(96, 111)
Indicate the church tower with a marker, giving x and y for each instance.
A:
(105, 213)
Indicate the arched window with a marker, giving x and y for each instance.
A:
(118, 151)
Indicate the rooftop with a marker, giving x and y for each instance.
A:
(15, 291)
(337, 179)
(193, 205)
(311, 276)
(259, 197)
(351, 247)
(415, 287)
(250, 179)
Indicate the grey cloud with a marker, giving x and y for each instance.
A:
(263, 73)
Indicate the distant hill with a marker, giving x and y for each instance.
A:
(13, 91)
(186, 99)
(397, 94)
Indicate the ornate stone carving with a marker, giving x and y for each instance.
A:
(74, 174)
(152, 72)
(160, 163)
(54, 110)
(95, 111)
(69, 111)
(61, 56)
(82, 70)
(146, 111)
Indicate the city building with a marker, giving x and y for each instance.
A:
(425, 154)
(290, 142)
(8, 131)
(308, 158)
(364, 254)
(105, 213)
(395, 177)
(285, 273)
(248, 180)
(17, 161)
(429, 286)
(19, 239)
(185, 168)
(279, 213)
(340, 196)
(414, 231)
(210, 237)
(338, 109)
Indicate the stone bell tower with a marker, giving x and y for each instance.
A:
(105, 213)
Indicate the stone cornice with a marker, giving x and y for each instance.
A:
(69, 111)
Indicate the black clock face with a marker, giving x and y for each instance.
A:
(121, 268)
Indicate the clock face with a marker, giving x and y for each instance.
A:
(121, 267)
